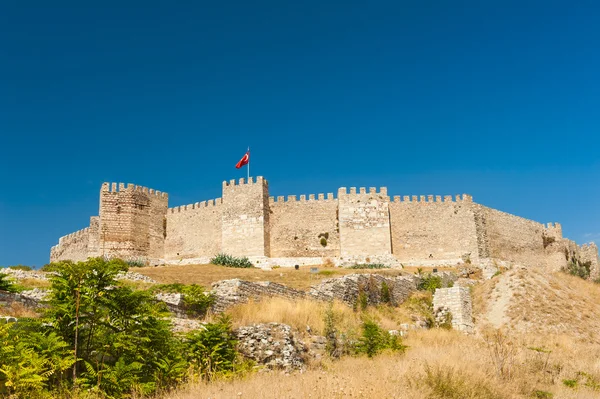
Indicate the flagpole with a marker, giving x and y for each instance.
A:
(248, 180)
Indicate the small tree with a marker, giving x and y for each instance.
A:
(6, 284)
(386, 296)
(212, 350)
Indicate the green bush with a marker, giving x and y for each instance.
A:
(323, 241)
(211, 351)
(231, 261)
(374, 340)
(369, 266)
(6, 284)
(140, 262)
(430, 283)
(577, 268)
(195, 299)
(386, 296)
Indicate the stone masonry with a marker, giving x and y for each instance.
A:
(457, 302)
(359, 226)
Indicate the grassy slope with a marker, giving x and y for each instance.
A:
(534, 302)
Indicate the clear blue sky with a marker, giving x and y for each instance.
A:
(499, 99)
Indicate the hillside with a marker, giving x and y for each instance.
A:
(532, 301)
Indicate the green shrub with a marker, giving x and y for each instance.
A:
(570, 383)
(231, 261)
(195, 299)
(6, 284)
(430, 283)
(374, 340)
(577, 268)
(211, 351)
(369, 266)
(323, 241)
(140, 262)
(386, 296)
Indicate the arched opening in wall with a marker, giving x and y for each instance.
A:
(164, 227)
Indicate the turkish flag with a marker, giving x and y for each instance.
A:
(244, 161)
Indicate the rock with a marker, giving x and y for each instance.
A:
(273, 345)
(132, 276)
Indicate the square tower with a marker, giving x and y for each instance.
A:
(245, 228)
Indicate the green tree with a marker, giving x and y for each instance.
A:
(6, 284)
(211, 351)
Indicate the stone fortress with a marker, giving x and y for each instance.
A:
(356, 226)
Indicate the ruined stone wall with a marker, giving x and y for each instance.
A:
(510, 237)
(194, 230)
(235, 291)
(364, 222)
(131, 221)
(457, 301)
(589, 253)
(297, 227)
(73, 246)
(434, 231)
(245, 221)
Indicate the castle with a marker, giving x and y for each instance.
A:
(357, 226)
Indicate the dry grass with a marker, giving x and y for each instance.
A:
(205, 275)
(300, 314)
(31, 283)
(438, 364)
(545, 303)
(17, 310)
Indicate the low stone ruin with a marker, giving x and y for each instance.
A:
(235, 291)
(457, 302)
(272, 345)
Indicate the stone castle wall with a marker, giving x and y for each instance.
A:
(511, 238)
(245, 222)
(297, 227)
(358, 226)
(194, 231)
(436, 231)
(364, 222)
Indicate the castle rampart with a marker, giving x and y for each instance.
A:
(359, 225)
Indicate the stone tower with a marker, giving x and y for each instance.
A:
(245, 220)
(132, 222)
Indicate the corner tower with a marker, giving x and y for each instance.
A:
(132, 222)
(245, 220)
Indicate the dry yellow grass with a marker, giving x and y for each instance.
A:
(300, 314)
(31, 283)
(543, 303)
(205, 275)
(459, 367)
(17, 310)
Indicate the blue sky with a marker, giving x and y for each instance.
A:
(497, 99)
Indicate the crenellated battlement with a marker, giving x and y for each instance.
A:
(311, 198)
(121, 187)
(73, 235)
(433, 198)
(343, 191)
(241, 182)
(355, 224)
(196, 206)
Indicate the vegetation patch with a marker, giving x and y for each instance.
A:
(430, 283)
(195, 299)
(231, 261)
(369, 266)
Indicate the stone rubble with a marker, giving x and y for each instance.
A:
(272, 345)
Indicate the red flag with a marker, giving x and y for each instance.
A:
(244, 161)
